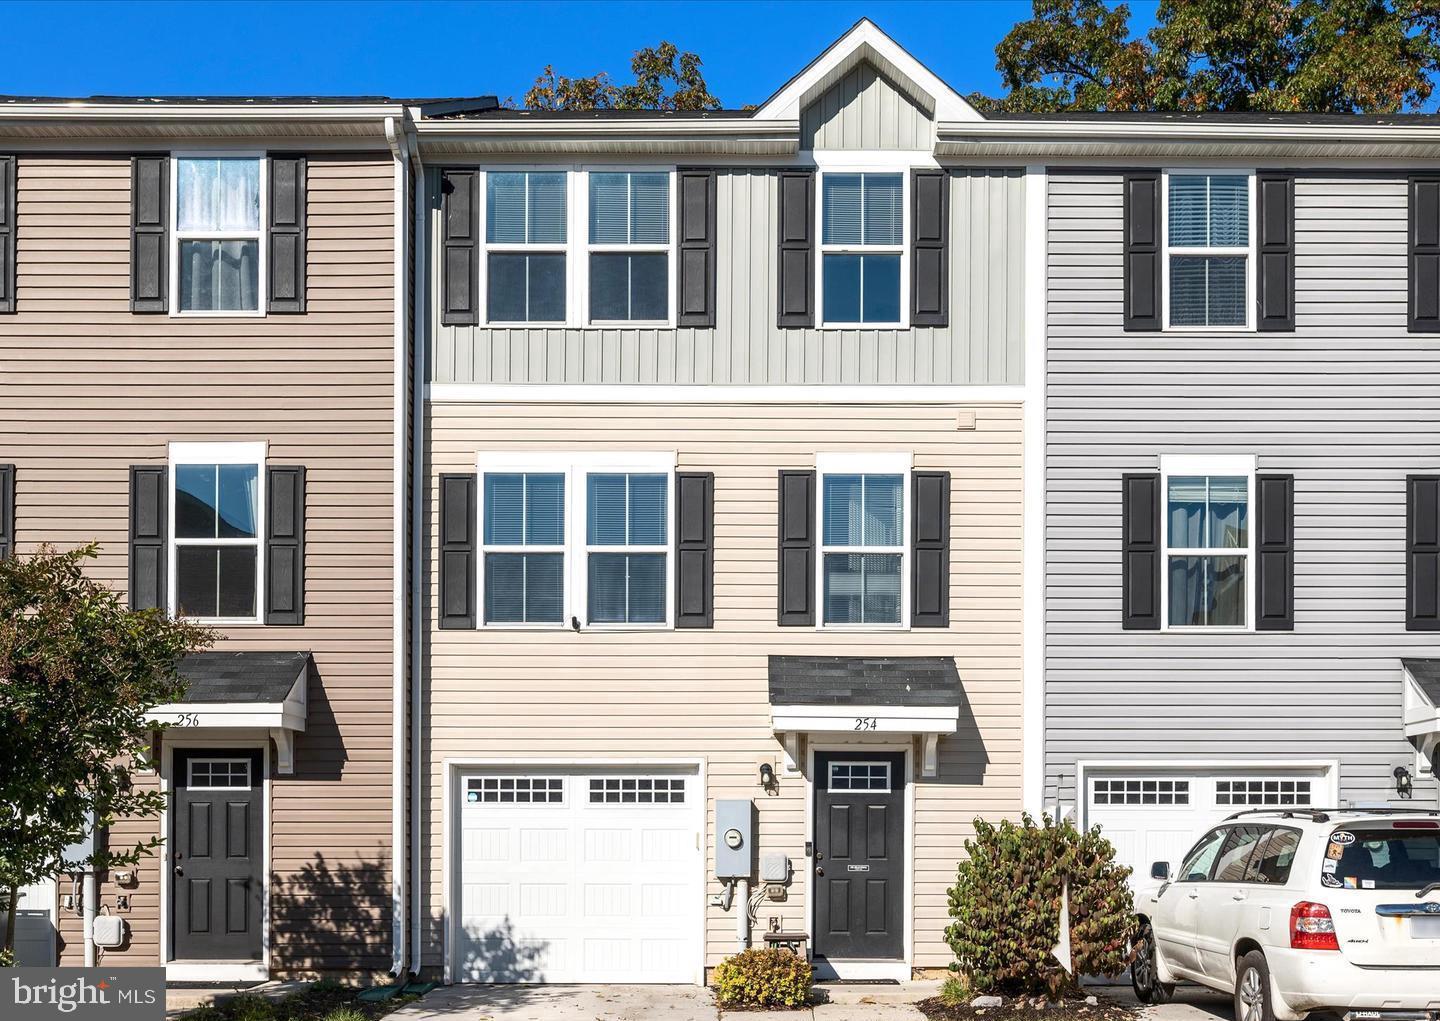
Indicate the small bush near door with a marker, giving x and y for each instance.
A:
(763, 979)
(1006, 908)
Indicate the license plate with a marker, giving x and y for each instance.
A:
(1427, 927)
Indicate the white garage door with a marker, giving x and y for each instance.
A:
(1152, 817)
(35, 926)
(580, 876)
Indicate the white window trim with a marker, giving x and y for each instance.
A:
(863, 464)
(576, 467)
(830, 778)
(1184, 465)
(491, 468)
(580, 238)
(487, 248)
(177, 236)
(1250, 250)
(218, 453)
(822, 249)
(190, 773)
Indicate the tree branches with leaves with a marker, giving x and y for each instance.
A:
(665, 79)
(1343, 56)
(79, 672)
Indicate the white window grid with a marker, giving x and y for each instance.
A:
(1247, 250)
(862, 249)
(1267, 792)
(515, 790)
(637, 790)
(863, 464)
(177, 236)
(524, 547)
(218, 774)
(870, 777)
(1208, 466)
(218, 454)
(1118, 791)
(527, 248)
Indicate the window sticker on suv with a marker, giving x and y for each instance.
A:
(1382, 859)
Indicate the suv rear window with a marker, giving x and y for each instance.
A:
(1382, 858)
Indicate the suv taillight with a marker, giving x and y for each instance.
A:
(1312, 928)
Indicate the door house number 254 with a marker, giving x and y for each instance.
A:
(864, 723)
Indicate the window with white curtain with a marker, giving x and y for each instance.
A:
(863, 554)
(1209, 541)
(524, 547)
(526, 230)
(1209, 260)
(217, 251)
(862, 247)
(216, 502)
(629, 243)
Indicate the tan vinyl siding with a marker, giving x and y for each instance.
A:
(983, 344)
(864, 110)
(559, 694)
(91, 388)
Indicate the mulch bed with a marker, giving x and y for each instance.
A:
(1020, 1009)
(313, 1004)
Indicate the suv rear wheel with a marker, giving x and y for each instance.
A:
(1252, 989)
(1144, 979)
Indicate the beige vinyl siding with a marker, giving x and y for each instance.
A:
(527, 696)
(864, 110)
(91, 388)
(983, 343)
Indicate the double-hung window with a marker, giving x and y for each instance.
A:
(630, 246)
(216, 499)
(1209, 541)
(217, 262)
(862, 248)
(863, 539)
(627, 519)
(525, 233)
(1209, 259)
(524, 547)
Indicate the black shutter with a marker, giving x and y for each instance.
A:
(1422, 553)
(796, 258)
(1275, 553)
(1275, 275)
(149, 525)
(1425, 253)
(696, 243)
(797, 549)
(7, 234)
(1142, 250)
(285, 545)
(930, 549)
(929, 261)
(1140, 545)
(694, 549)
(149, 233)
(457, 551)
(7, 511)
(287, 233)
(460, 265)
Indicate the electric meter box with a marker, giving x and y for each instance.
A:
(734, 838)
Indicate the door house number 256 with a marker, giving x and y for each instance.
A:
(864, 723)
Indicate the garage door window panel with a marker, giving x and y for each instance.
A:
(1140, 791)
(637, 790)
(1262, 793)
(515, 790)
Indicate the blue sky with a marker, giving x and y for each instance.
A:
(462, 49)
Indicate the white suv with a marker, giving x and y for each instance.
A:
(1297, 910)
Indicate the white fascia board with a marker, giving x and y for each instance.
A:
(287, 715)
(888, 719)
(170, 110)
(736, 135)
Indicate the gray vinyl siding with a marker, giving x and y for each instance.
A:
(982, 345)
(863, 110)
(1349, 403)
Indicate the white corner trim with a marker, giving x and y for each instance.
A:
(697, 393)
(1032, 553)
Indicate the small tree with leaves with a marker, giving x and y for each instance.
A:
(79, 672)
(665, 79)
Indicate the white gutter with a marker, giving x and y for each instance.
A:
(167, 110)
(417, 560)
(602, 127)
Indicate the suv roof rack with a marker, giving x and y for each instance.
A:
(1324, 814)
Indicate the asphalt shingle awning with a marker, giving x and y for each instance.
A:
(1422, 705)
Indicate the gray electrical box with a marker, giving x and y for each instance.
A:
(734, 838)
(774, 867)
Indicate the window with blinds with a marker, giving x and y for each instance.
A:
(626, 522)
(525, 240)
(629, 246)
(862, 244)
(524, 547)
(1208, 257)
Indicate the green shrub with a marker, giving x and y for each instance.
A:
(7, 958)
(1006, 908)
(763, 978)
(954, 992)
(347, 1014)
(205, 1013)
(249, 1007)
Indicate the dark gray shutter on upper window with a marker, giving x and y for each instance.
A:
(1140, 550)
(796, 258)
(460, 251)
(1275, 553)
(696, 245)
(930, 237)
(457, 551)
(930, 549)
(149, 233)
(1422, 553)
(1275, 275)
(694, 549)
(285, 545)
(7, 233)
(796, 595)
(287, 233)
(1143, 250)
(1425, 253)
(149, 526)
(7, 510)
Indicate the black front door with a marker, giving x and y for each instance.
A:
(215, 855)
(860, 855)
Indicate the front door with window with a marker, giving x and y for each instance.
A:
(216, 856)
(859, 855)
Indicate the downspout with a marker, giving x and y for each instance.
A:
(418, 598)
